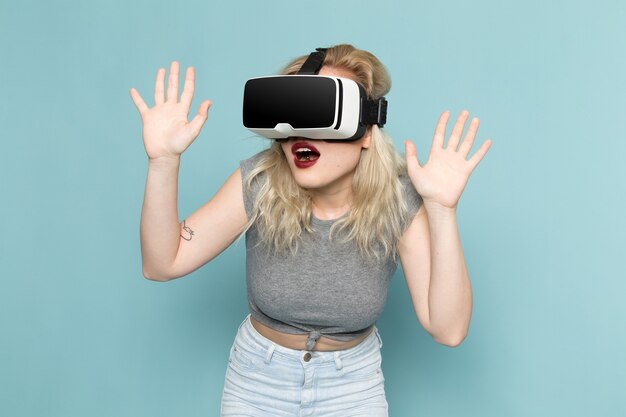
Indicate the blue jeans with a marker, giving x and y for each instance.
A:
(267, 379)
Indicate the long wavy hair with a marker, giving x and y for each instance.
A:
(378, 209)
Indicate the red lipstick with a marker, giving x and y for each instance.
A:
(304, 154)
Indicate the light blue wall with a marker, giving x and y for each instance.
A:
(82, 333)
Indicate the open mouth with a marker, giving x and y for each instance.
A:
(305, 152)
(307, 155)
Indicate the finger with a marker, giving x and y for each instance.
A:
(187, 96)
(411, 156)
(172, 84)
(479, 154)
(467, 143)
(457, 131)
(159, 98)
(440, 130)
(198, 121)
(139, 103)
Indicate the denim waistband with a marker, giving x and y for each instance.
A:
(268, 347)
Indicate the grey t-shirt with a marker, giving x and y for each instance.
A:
(327, 288)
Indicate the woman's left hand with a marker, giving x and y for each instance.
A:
(443, 177)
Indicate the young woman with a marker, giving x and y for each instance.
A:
(322, 240)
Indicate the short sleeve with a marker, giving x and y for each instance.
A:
(413, 199)
(250, 193)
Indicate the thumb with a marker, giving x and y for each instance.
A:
(411, 156)
(198, 121)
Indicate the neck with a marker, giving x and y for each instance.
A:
(327, 205)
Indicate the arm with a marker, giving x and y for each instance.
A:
(436, 275)
(166, 135)
(159, 229)
(450, 294)
(414, 251)
(444, 285)
(199, 238)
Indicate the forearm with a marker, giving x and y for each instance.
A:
(160, 230)
(450, 293)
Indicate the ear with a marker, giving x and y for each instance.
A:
(367, 138)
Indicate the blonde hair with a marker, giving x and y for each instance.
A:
(378, 211)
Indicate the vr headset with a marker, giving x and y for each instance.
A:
(310, 106)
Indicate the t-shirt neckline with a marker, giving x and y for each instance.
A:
(330, 221)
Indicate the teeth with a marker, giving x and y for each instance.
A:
(306, 154)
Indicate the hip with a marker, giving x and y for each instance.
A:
(262, 375)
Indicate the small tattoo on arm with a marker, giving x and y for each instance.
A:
(188, 230)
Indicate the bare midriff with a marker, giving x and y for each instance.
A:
(298, 341)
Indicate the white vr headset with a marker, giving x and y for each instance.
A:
(310, 106)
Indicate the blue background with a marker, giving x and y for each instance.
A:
(82, 333)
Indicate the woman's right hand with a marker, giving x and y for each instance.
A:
(166, 131)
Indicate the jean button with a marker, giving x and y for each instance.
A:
(307, 357)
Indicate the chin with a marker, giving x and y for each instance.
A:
(305, 182)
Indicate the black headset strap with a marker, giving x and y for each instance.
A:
(374, 112)
(313, 63)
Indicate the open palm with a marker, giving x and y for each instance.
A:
(166, 129)
(443, 177)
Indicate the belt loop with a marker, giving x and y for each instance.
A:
(338, 364)
(270, 352)
(380, 339)
(244, 321)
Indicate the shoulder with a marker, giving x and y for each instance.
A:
(412, 197)
(251, 179)
(251, 162)
(249, 174)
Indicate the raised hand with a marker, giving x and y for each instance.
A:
(166, 131)
(443, 177)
